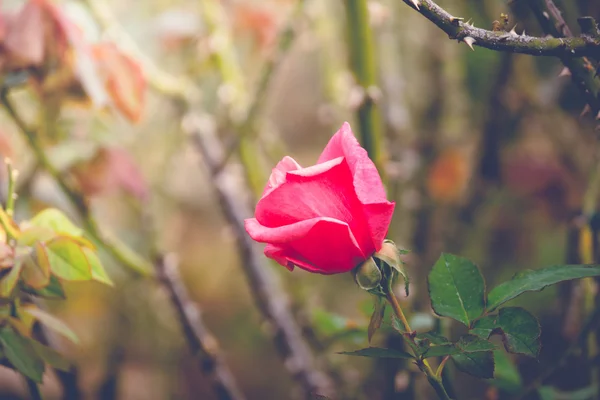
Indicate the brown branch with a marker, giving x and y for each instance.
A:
(582, 72)
(198, 337)
(269, 297)
(583, 45)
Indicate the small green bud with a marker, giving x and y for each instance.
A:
(367, 275)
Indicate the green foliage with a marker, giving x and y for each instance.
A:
(466, 344)
(535, 280)
(378, 352)
(520, 330)
(47, 249)
(51, 322)
(479, 364)
(21, 354)
(506, 375)
(57, 222)
(376, 317)
(456, 289)
(67, 260)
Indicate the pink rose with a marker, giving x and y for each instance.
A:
(327, 218)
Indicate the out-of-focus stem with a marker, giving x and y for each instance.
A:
(233, 84)
(364, 68)
(10, 195)
(34, 390)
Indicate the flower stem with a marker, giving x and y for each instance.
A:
(434, 379)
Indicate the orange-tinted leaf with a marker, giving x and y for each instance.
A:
(36, 268)
(111, 169)
(24, 39)
(124, 79)
(258, 22)
(448, 176)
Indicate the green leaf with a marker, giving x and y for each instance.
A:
(57, 221)
(36, 268)
(471, 344)
(51, 322)
(520, 330)
(376, 317)
(442, 350)
(35, 234)
(484, 327)
(456, 289)
(479, 364)
(466, 344)
(536, 280)
(432, 337)
(21, 354)
(51, 356)
(377, 352)
(67, 260)
(53, 290)
(98, 272)
(506, 375)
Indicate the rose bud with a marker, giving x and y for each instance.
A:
(327, 218)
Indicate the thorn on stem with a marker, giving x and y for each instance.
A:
(585, 110)
(564, 72)
(469, 41)
(415, 3)
(513, 32)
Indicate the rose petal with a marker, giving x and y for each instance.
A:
(323, 190)
(297, 243)
(278, 173)
(277, 253)
(366, 180)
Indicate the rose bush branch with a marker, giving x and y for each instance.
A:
(456, 28)
(265, 287)
(197, 335)
(582, 72)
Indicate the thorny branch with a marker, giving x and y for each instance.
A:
(198, 337)
(581, 69)
(584, 45)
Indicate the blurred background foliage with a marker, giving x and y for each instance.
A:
(485, 154)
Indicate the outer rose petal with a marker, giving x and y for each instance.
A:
(323, 190)
(278, 174)
(302, 244)
(366, 180)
